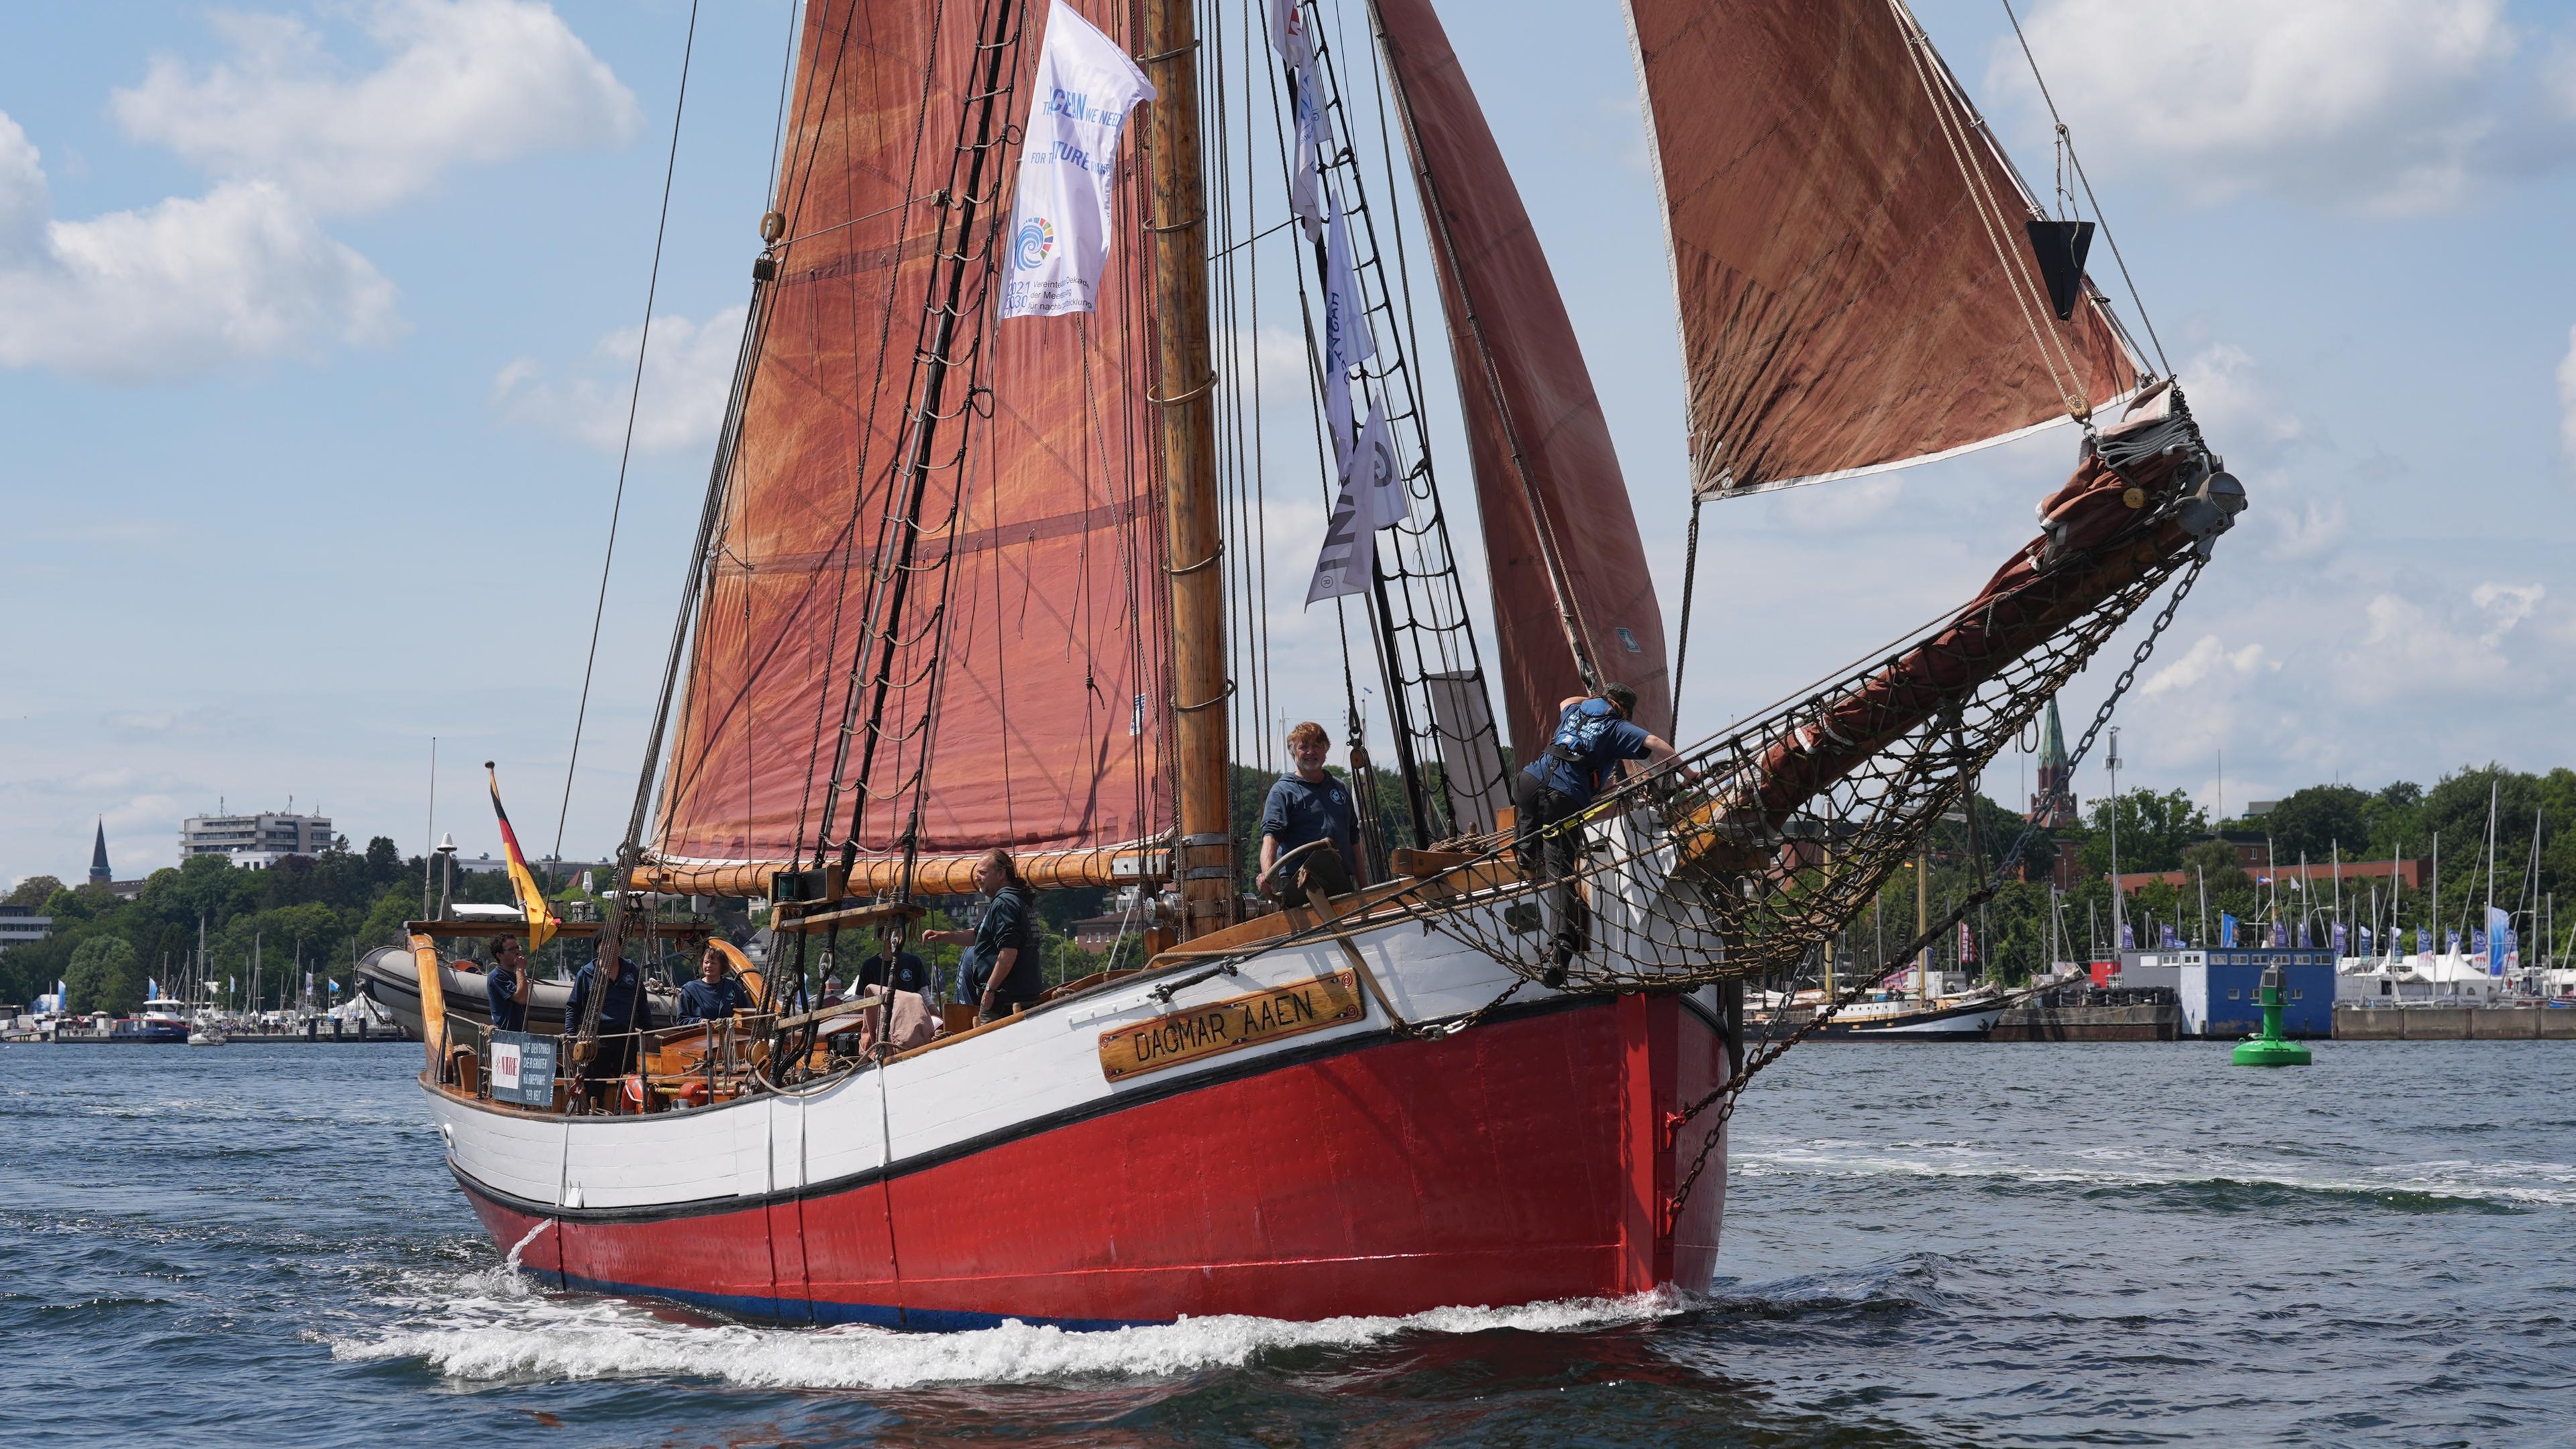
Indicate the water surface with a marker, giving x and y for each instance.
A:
(1925, 1244)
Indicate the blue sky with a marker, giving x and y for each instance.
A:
(314, 322)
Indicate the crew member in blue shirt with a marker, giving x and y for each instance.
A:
(1305, 805)
(623, 1011)
(893, 968)
(716, 995)
(507, 985)
(1594, 737)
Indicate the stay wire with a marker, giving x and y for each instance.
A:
(626, 450)
(2066, 138)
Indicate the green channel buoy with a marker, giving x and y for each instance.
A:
(2269, 1048)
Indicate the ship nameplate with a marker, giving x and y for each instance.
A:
(1231, 1025)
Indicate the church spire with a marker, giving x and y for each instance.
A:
(99, 874)
(2053, 808)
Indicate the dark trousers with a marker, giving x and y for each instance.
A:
(614, 1057)
(1548, 857)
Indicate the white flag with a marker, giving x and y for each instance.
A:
(1374, 476)
(1346, 333)
(1079, 100)
(1288, 32)
(1343, 565)
(1305, 188)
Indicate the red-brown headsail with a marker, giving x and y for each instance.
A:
(1547, 477)
(1849, 254)
(1049, 696)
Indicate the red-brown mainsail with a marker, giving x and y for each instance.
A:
(1053, 635)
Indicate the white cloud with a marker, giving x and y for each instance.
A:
(174, 287)
(2378, 106)
(2206, 661)
(2506, 605)
(2567, 396)
(1835, 507)
(462, 82)
(2410, 647)
(688, 374)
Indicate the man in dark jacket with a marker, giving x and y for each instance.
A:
(1006, 975)
(1594, 737)
(623, 1011)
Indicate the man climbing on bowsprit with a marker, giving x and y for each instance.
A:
(1593, 736)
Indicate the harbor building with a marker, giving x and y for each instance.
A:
(2221, 991)
(254, 842)
(22, 926)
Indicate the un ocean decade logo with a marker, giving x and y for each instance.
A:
(1030, 247)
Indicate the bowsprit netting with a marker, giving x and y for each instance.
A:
(1760, 843)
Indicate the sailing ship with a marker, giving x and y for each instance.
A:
(967, 582)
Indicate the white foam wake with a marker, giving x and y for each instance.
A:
(492, 1325)
(2517, 1182)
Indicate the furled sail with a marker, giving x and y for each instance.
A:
(1547, 477)
(1027, 646)
(1849, 250)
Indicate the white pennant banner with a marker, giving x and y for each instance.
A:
(1343, 565)
(1347, 342)
(1305, 186)
(1374, 475)
(1079, 100)
(1372, 496)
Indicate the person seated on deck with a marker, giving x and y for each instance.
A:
(890, 971)
(623, 1011)
(716, 995)
(1306, 805)
(508, 984)
(1594, 736)
(1005, 975)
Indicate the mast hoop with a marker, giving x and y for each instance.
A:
(1220, 697)
(1179, 399)
(1174, 572)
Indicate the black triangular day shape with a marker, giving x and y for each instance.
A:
(2060, 246)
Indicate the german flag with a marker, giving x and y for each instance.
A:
(532, 901)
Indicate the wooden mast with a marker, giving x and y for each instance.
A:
(1204, 865)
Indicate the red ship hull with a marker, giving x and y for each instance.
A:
(1522, 1161)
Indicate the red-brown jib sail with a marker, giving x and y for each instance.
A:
(1547, 475)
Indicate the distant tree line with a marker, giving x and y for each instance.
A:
(305, 913)
(322, 913)
(2165, 832)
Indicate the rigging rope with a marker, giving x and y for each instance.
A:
(1690, 577)
(2066, 138)
(626, 449)
(1981, 200)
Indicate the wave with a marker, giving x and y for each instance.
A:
(2431, 1187)
(496, 1325)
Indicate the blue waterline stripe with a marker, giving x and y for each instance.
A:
(818, 1311)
